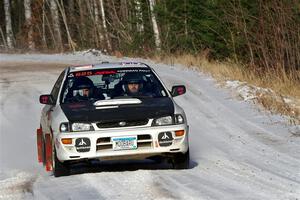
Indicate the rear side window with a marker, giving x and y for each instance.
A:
(110, 84)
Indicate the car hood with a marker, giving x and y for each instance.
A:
(146, 109)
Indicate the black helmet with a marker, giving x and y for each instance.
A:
(81, 83)
(131, 78)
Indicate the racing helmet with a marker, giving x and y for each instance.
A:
(132, 78)
(83, 86)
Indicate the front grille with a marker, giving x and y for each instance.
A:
(144, 137)
(124, 123)
(103, 140)
(143, 141)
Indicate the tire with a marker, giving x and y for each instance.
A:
(59, 168)
(181, 160)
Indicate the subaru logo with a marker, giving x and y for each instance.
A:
(122, 123)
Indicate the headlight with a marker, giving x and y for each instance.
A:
(76, 127)
(82, 127)
(168, 120)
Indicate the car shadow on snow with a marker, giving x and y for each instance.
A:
(96, 166)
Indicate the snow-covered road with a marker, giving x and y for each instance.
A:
(237, 152)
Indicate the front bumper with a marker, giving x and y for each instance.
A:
(148, 143)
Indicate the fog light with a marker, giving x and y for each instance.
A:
(66, 140)
(179, 133)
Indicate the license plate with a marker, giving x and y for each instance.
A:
(124, 143)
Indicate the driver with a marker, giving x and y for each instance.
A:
(82, 89)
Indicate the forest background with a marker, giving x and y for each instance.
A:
(256, 41)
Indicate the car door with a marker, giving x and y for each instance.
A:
(48, 109)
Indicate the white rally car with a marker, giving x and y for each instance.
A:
(111, 111)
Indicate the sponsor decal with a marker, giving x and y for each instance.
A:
(133, 70)
(104, 72)
(84, 73)
(91, 73)
(165, 139)
(83, 144)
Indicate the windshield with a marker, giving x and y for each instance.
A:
(107, 84)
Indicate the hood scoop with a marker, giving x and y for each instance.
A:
(116, 102)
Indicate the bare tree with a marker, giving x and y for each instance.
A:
(56, 24)
(81, 22)
(3, 37)
(139, 16)
(99, 34)
(124, 11)
(104, 26)
(43, 24)
(28, 24)
(9, 32)
(71, 43)
(155, 27)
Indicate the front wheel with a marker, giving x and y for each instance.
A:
(59, 168)
(181, 160)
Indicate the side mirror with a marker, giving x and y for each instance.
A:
(47, 99)
(178, 90)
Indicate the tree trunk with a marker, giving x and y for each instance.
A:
(56, 25)
(124, 11)
(71, 43)
(44, 26)
(9, 32)
(81, 28)
(155, 27)
(3, 37)
(72, 13)
(98, 25)
(28, 24)
(104, 26)
(139, 16)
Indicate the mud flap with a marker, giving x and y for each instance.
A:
(39, 135)
(48, 152)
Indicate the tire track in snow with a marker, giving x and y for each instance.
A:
(47, 187)
(17, 187)
(140, 184)
(247, 144)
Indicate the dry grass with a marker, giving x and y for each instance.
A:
(281, 83)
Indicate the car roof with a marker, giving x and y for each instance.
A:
(108, 65)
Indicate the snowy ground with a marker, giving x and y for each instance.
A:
(237, 152)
